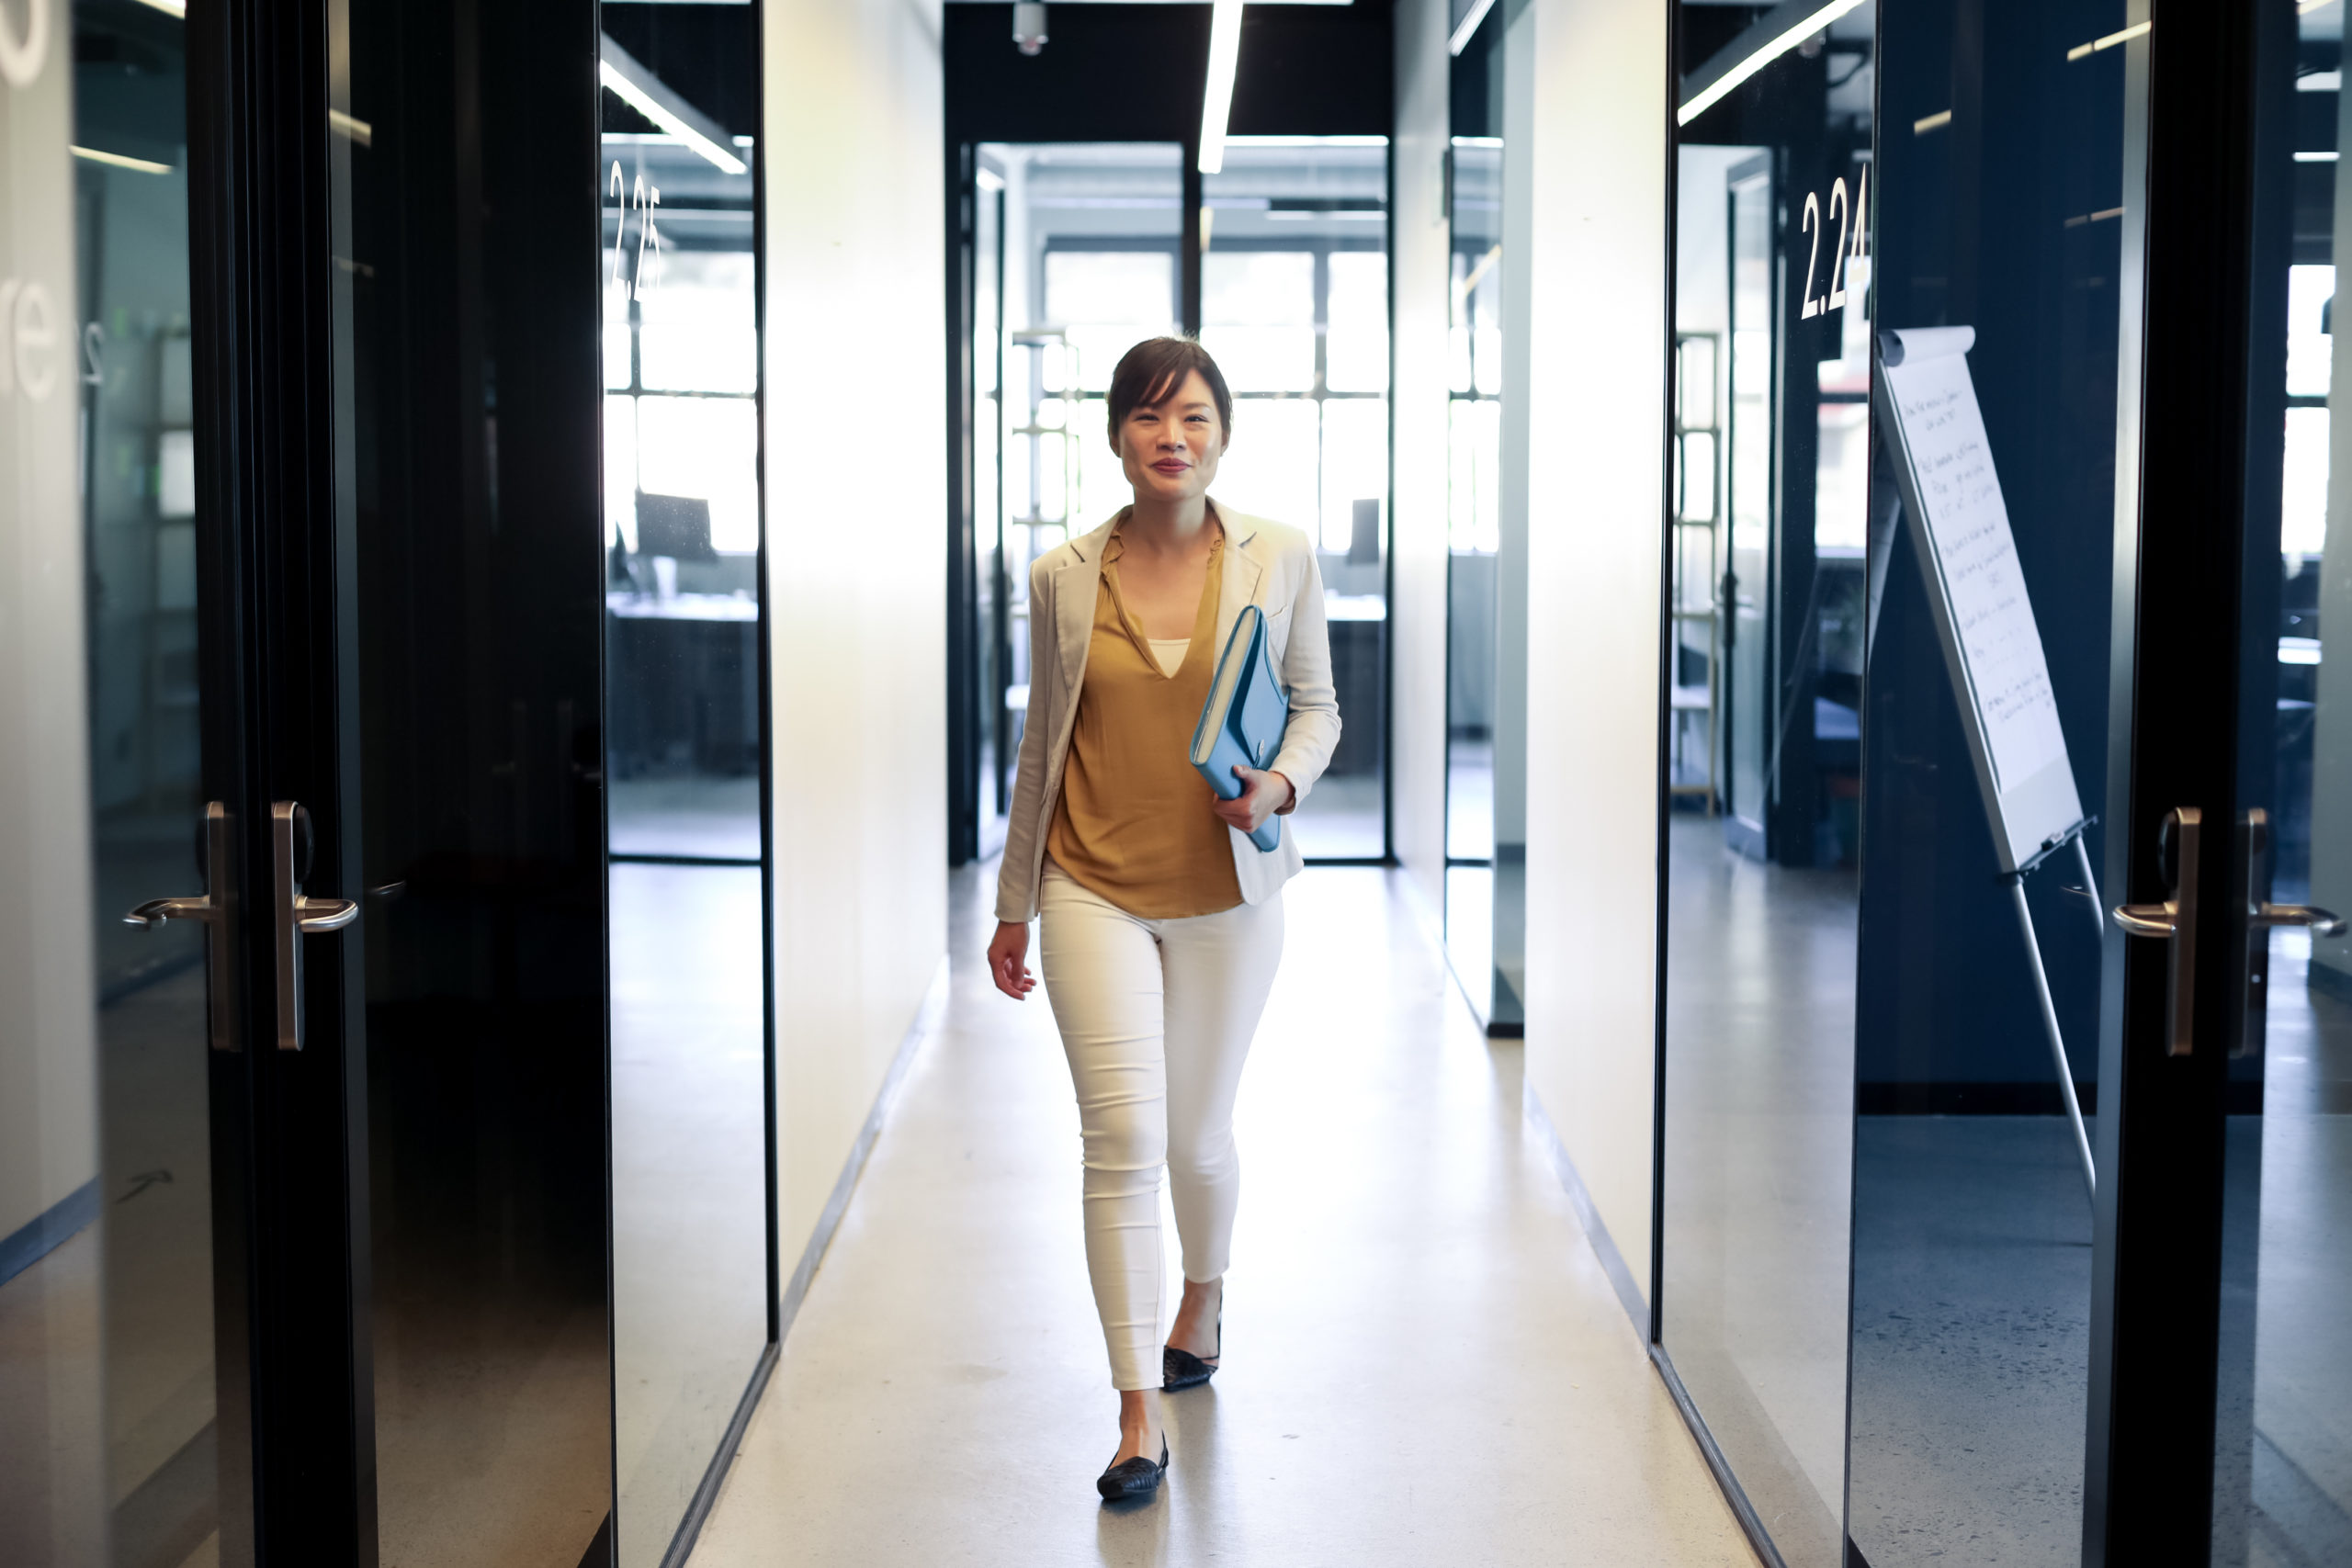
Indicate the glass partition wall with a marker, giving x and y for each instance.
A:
(1478, 882)
(1765, 530)
(1486, 703)
(1887, 734)
(112, 1420)
(685, 710)
(1294, 307)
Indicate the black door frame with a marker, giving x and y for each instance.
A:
(2206, 439)
(290, 1128)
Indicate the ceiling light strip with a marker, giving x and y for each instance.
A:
(1216, 101)
(121, 161)
(1772, 49)
(645, 92)
(1469, 27)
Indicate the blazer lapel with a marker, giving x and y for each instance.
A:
(1076, 586)
(1244, 569)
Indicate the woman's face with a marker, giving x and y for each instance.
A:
(1170, 448)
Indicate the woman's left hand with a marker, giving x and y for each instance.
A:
(1262, 794)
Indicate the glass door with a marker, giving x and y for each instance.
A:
(125, 1423)
(466, 761)
(2000, 1031)
(2282, 1457)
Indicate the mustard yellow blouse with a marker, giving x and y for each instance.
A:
(1136, 822)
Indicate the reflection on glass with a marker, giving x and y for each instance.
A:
(109, 1445)
(691, 1282)
(468, 397)
(1761, 892)
(1482, 892)
(682, 469)
(2000, 174)
(2283, 1454)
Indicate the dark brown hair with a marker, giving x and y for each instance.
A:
(1153, 369)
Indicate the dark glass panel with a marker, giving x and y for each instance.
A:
(2001, 206)
(464, 288)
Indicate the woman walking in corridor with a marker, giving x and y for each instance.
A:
(1161, 921)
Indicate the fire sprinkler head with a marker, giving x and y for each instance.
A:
(1029, 26)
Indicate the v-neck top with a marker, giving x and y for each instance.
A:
(1136, 822)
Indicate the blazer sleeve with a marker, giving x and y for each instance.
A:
(1016, 881)
(1313, 731)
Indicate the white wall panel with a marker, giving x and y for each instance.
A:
(856, 498)
(1596, 258)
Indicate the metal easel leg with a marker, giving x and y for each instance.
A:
(2049, 1027)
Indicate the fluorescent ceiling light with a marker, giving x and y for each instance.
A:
(1216, 101)
(2305, 7)
(358, 129)
(2320, 82)
(1306, 141)
(2083, 50)
(2314, 157)
(169, 8)
(117, 161)
(1772, 49)
(1469, 27)
(647, 93)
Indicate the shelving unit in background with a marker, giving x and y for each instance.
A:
(1697, 555)
(1040, 477)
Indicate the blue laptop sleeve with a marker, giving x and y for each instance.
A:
(1243, 720)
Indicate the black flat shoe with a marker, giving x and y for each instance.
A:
(1182, 1369)
(1138, 1477)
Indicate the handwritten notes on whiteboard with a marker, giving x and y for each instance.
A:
(1975, 553)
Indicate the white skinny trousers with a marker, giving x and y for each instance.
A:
(1156, 1017)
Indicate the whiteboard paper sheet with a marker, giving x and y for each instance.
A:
(1978, 555)
(2000, 669)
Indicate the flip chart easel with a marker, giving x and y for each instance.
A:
(1943, 468)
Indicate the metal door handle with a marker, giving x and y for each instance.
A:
(298, 917)
(213, 909)
(2145, 920)
(2175, 921)
(156, 911)
(2323, 922)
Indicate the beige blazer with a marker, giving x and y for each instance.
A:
(1265, 564)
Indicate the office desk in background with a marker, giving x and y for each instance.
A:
(682, 685)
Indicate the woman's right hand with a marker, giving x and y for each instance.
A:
(1006, 951)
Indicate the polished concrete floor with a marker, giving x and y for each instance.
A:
(690, 1310)
(1426, 1363)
